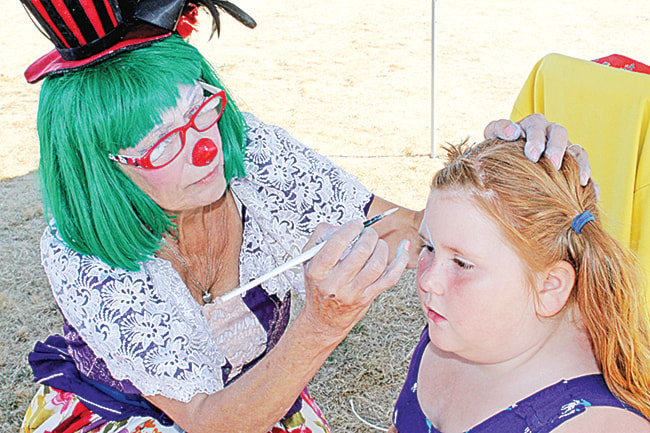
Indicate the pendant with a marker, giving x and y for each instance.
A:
(207, 297)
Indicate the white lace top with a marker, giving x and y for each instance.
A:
(146, 328)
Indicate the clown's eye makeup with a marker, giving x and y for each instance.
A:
(147, 144)
(162, 148)
(197, 98)
(142, 149)
(194, 108)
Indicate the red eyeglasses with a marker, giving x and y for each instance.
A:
(169, 146)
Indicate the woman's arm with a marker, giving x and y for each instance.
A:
(263, 395)
(339, 292)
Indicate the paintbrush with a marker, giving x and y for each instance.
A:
(310, 253)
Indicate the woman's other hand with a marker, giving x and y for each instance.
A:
(542, 138)
(346, 275)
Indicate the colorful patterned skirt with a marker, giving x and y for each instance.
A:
(56, 411)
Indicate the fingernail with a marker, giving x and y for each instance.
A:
(514, 131)
(584, 179)
(533, 153)
(329, 232)
(557, 162)
(405, 245)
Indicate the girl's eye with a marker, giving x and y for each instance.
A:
(462, 264)
(427, 250)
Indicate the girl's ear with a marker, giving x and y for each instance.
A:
(556, 289)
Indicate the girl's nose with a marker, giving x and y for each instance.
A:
(204, 152)
(429, 276)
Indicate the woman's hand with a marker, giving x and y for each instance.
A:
(346, 276)
(542, 138)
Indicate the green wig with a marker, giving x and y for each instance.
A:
(87, 114)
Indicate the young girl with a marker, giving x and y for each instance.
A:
(536, 317)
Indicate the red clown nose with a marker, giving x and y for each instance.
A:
(205, 150)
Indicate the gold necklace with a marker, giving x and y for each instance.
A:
(206, 296)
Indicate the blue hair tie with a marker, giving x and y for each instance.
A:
(579, 221)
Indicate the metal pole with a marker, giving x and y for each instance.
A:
(433, 78)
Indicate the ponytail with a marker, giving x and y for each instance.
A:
(612, 301)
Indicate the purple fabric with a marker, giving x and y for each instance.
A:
(541, 412)
(407, 414)
(90, 365)
(272, 313)
(53, 366)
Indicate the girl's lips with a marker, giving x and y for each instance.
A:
(434, 317)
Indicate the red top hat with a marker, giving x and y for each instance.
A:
(87, 31)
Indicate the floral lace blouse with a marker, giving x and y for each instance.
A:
(142, 332)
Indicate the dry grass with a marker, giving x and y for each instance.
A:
(27, 310)
(370, 365)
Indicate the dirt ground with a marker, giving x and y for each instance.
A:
(353, 79)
